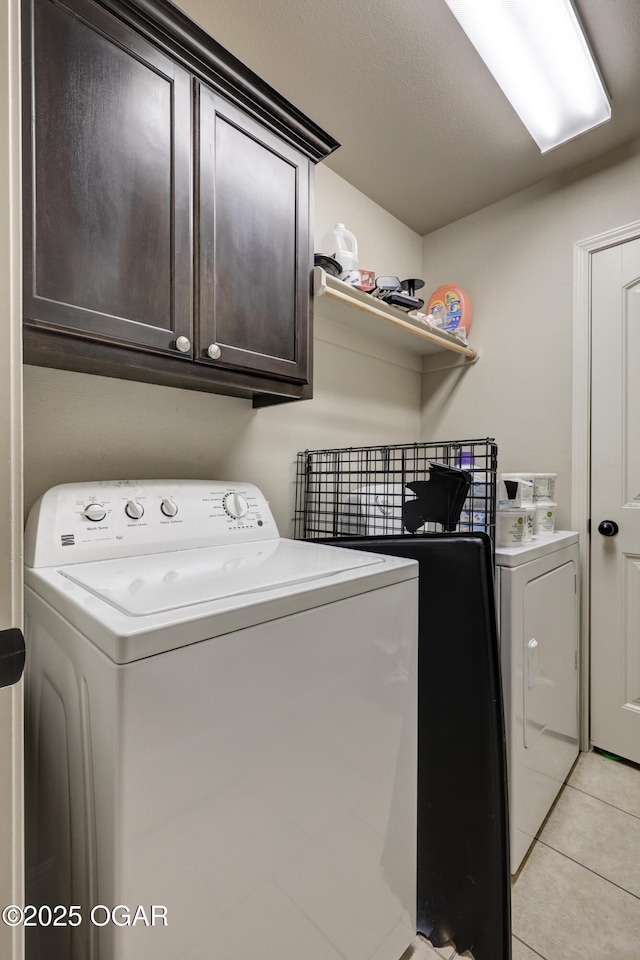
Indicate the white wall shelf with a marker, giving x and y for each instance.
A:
(348, 306)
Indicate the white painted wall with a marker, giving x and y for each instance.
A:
(515, 259)
(384, 244)
(81, 427)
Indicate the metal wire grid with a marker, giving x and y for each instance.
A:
(360, 491)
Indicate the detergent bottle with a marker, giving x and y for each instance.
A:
(341, 244)
(452, 306)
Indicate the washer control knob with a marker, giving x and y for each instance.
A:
(169, 508)
(236, 505)
(134, 510)
(94, 512)
(213, 351)
(183, 344)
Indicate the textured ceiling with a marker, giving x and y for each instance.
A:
(425, 131)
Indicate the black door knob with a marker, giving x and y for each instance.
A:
(608, 528)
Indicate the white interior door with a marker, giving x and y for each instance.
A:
(11, 829)
(615, 497)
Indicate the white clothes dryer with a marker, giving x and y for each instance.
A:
(537, 586)
(221, 731)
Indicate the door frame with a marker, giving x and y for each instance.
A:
(11, 496)
(583, 251)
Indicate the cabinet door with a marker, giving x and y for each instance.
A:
(107, 180)
(254, 249)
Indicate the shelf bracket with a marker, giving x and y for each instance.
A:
(457, 365)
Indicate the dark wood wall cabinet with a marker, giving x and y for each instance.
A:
(167, 205)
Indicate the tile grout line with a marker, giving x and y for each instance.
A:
(607, 802)
(585, 867)
(520, 940)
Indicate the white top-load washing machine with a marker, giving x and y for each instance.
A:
(537, 585)
(221, 732)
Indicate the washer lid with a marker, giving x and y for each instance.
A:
(143, 586)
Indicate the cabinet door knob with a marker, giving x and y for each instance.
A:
(214, 351)
(608, 528)
(183, 344)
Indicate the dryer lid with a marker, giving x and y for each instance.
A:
(143, 586)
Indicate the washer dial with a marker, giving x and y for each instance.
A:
(235, 505)
(134, 510)
(169, 508)
(94, 512)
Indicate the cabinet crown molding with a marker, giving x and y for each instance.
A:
(173, 29)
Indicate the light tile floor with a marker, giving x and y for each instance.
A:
(577, 896)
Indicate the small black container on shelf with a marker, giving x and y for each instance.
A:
(397, 489)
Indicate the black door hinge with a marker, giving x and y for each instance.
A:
(12, 656)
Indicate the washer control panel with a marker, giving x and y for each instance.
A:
(79, 522)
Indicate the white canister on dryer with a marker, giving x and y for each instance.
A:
(511, 527)
(516, 489)
(544, 486)
(544, 523)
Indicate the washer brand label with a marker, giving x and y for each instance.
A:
(68, 540)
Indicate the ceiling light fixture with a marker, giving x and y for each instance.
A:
(538, 53)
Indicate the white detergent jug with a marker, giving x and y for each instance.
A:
(341, 244)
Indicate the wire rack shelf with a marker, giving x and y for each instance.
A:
(362, 491)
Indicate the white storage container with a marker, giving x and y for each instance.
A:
(516, 489)
(511, 527)
(544, 522)
(544, 486)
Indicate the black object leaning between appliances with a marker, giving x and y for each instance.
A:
(464, 892)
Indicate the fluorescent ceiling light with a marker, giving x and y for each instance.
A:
(537, 52)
